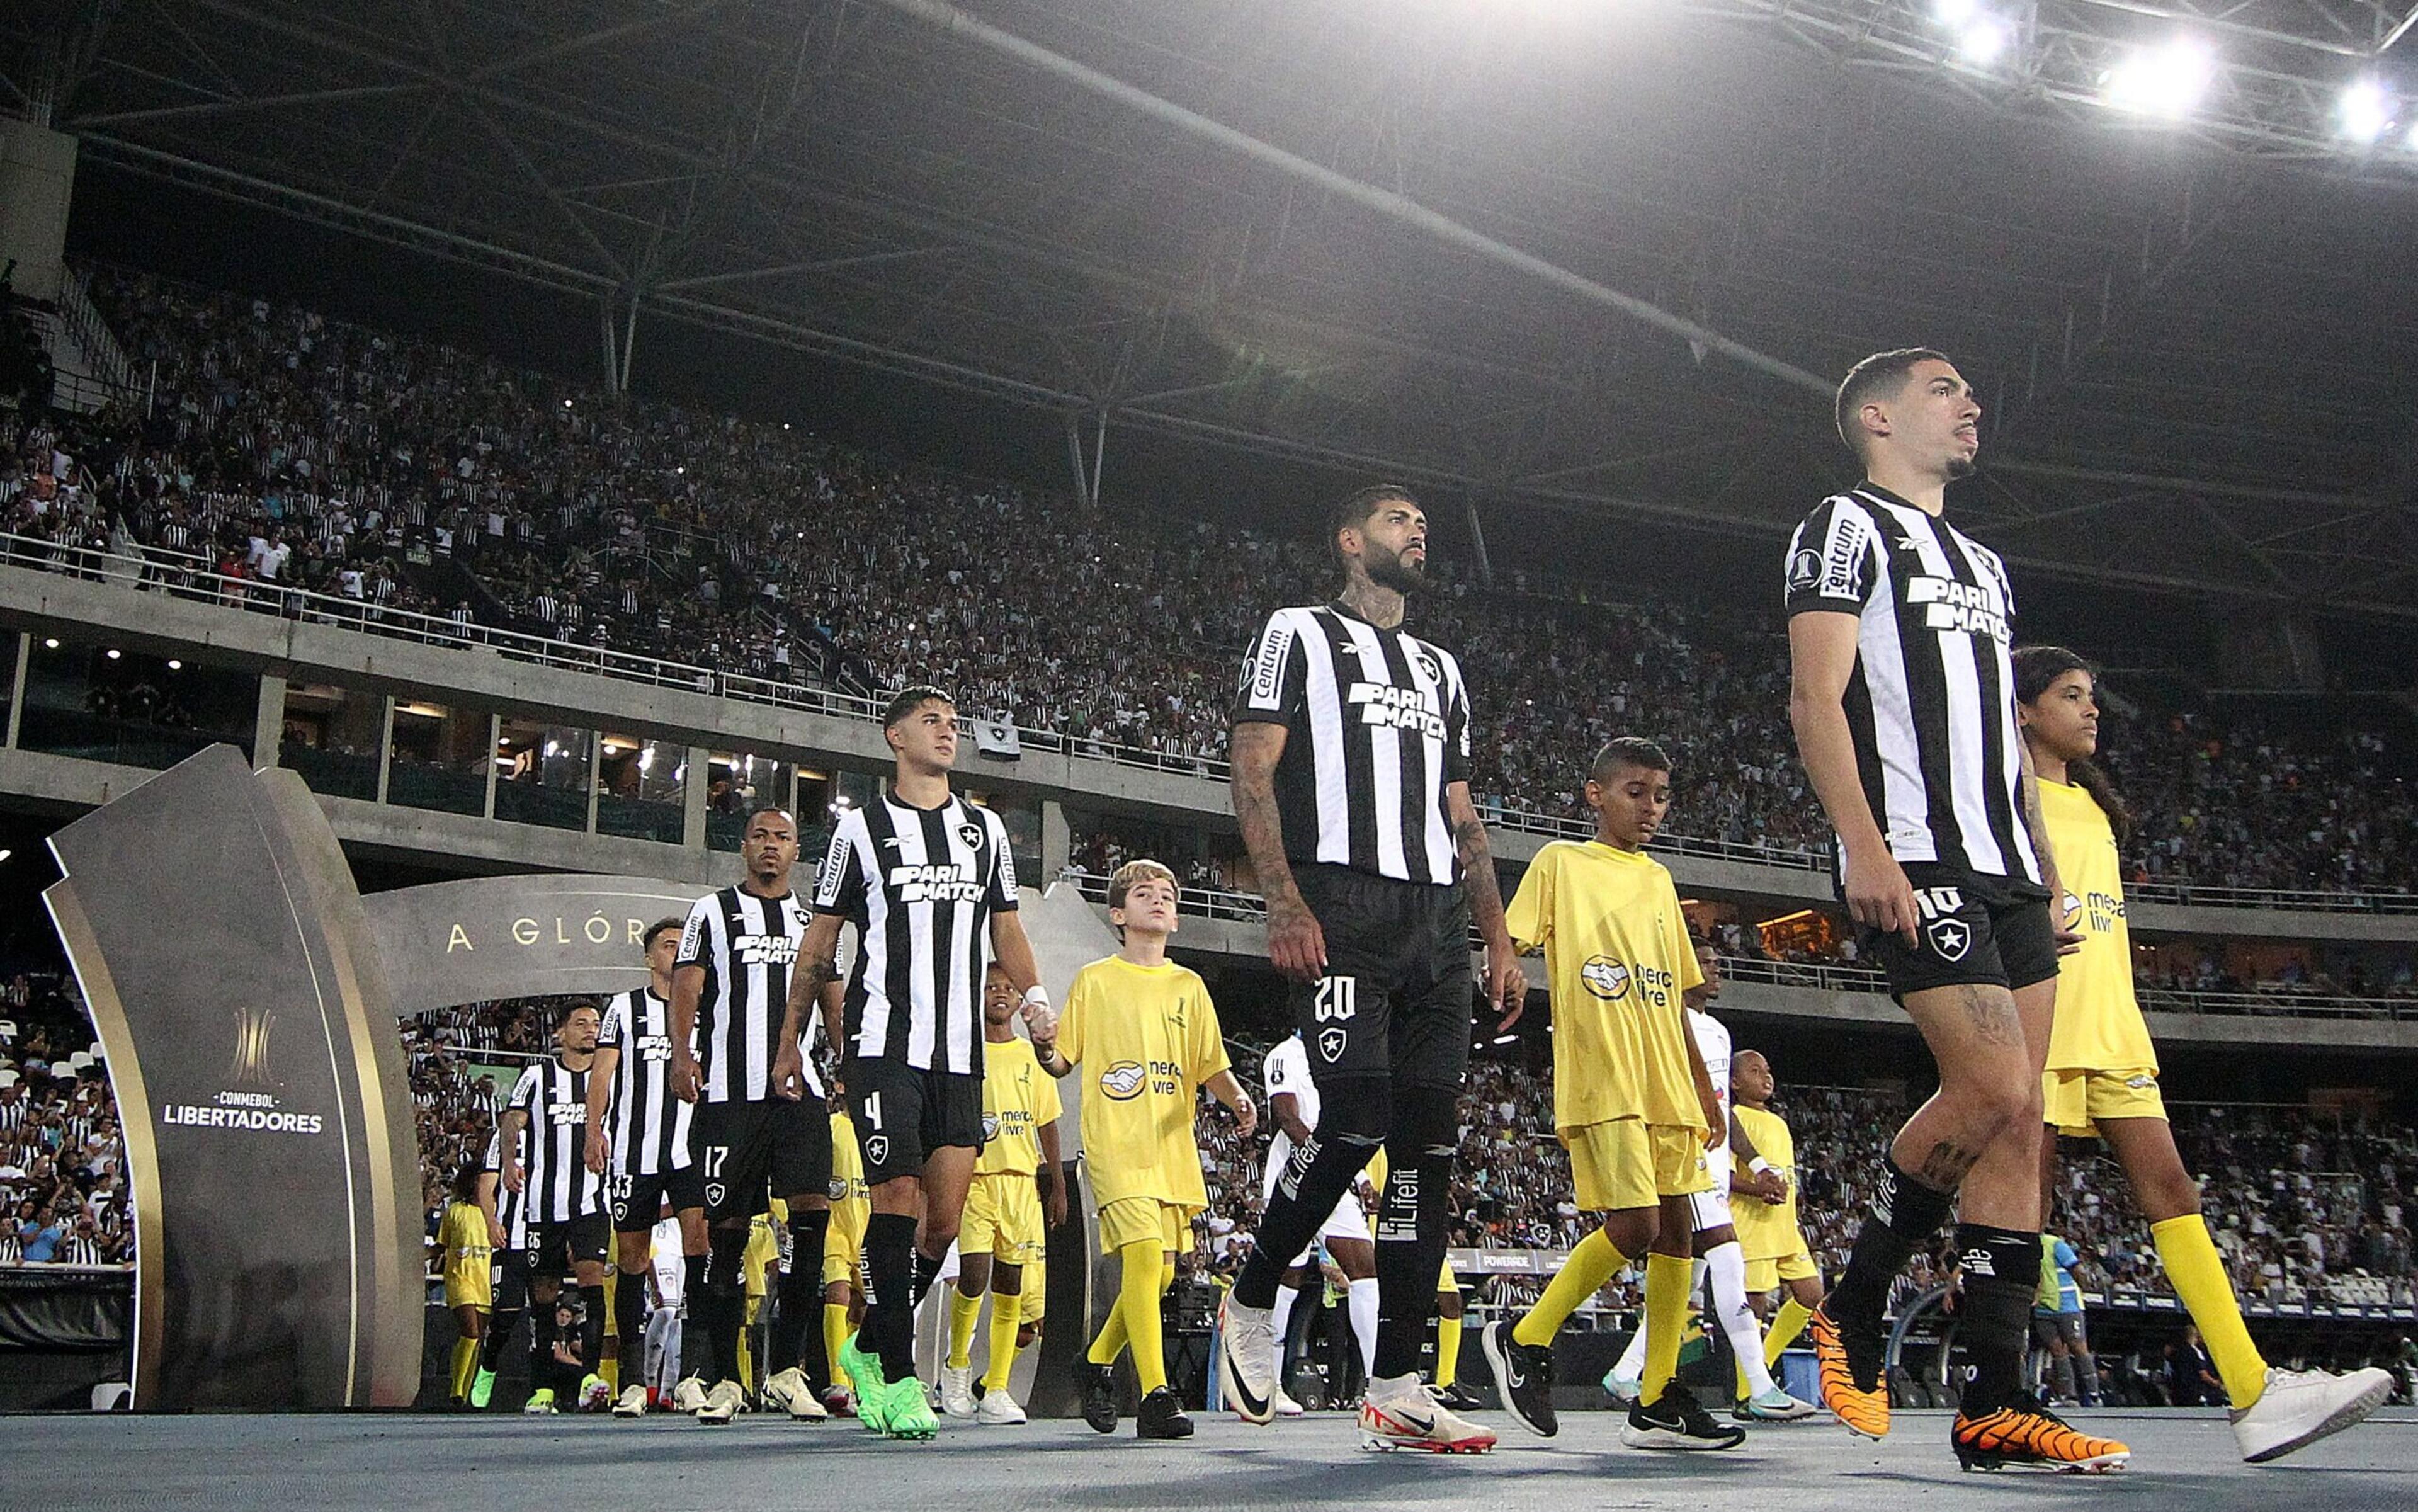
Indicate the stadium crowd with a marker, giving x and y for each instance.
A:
(61, 1156)
(408, 474)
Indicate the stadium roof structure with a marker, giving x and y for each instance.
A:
(1602, 257)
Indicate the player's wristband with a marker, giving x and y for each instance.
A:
(1757, 1166)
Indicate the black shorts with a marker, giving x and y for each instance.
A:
(746, 1154)
(903, 1114)
(1974, 928)
(554, 1248)
(638, 1201)
(1397, 998)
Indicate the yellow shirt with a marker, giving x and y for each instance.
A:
(1768, 1231)
(1018, 1097)
(1147, 1038)
(1618, 958)
(463, 1235)
(2099, 1025)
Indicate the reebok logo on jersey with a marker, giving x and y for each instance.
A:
(1950, 939)
(1976, 1263)
(1606, 978)
(1401, 708)
(1974, 608)
(942, 883)
(1123, 1080)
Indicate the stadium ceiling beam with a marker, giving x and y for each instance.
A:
(822, 265)
(1700, 338)
(241, 104)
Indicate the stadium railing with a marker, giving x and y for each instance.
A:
(194, 578)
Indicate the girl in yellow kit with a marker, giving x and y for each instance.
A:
(467, 1236)
(1147, 1033)
(2103, 1071)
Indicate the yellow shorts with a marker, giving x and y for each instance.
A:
(1002, 1218)
(1131, 1220)
(2074, 1102)
(1612, 1164)
(476, 1291)
(844, 1244)
(1763, 1274)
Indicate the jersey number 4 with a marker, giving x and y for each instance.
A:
(1337, 999)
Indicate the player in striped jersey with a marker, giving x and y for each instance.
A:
(751, 1140)
(1902, 701)
(637, 1136)
(560, 1206)
(929, 882)
(1017, 1193)
(1351, 784)
(2102, 1075)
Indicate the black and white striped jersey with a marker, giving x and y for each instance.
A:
(921, 885)
(748, 946)
(1379, 723)
(647, 1126)
(553, 1144)
(1932, 699)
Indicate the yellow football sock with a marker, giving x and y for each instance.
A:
(1785, 1327)
(1036, 1290)
(1004, 1321)
(963, 1313)
(1447, 1351)
(466, 1365)
(2197, 1272)
(1134, 1324)
(1590, 1265)
(1666, 1319)
(836, 1332)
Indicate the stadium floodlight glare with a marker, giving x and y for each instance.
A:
(1955, 13)
(2412, 143)
(2364, 112)
(1980, 42)
(2163, 81)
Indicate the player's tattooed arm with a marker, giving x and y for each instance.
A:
(1296, 943)
(1506, 981)
(817, 967)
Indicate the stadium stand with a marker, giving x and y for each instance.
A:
(408, 475)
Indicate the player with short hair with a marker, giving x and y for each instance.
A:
(2101, 1072)
(1351, 752)
(558, 1209)
(1720, 1257)
(1765, 1209)
(1018, 1195)
(638, 1137)
(1903, 702)
(738, 1055)
(1633, 1101)
(929, 881)
(1148, 1032)
(467, 1239)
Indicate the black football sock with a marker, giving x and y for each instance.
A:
(800, 1298)
(2002, 1272)
(927, 1270)
(890, 1279)
(725, 1297)
(1905, 1216)
(591, 1331)
(630, 1325)
(1411, 1221)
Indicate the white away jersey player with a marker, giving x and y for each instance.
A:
(1931, 703)
(748, 945)
(921, 886)
(1286, 1070)
(1379, 728)
(558, 1186)
(649, 1126)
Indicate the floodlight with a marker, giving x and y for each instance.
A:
(1955, 13)
(2365, 114)
(1981, 41)
(2164, 81)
